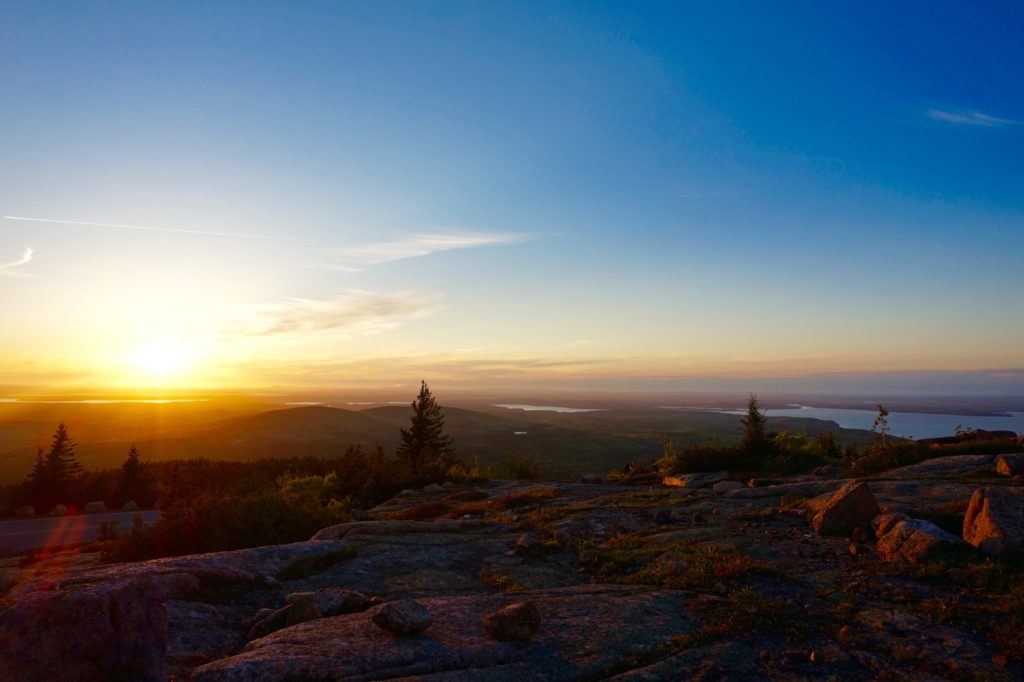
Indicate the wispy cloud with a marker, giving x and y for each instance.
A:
(356, 313)
(969, 118)
(417, 245)
(8, 269)
(147, 228)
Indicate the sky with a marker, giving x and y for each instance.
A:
(299, 194)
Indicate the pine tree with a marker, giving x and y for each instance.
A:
(426, 448)
(54, 473)
(755, 437)
(130, 484)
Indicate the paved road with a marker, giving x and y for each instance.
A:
(54, 531)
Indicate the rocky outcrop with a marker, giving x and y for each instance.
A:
(1010, 465)
(914, 540)
(852, 506)
(994, 522)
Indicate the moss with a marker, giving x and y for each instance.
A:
(314, 564)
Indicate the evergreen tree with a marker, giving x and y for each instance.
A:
(54, 474)
(426, 448)
(130, 483)
(755, 436)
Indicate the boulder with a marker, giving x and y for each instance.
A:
(663, 516)
(58, 510)
(1010, 465)
(852, 506)
(25, 512)
(723, 487)
(994, 522)
(95, 507)
(333, 601)
(286, 616)
(515, 622)
(433, 488)
(914, 540)
(698, 480)
(130, 505)
(403, 617)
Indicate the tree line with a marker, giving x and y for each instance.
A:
(426, 454)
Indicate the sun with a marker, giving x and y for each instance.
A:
(161, 358)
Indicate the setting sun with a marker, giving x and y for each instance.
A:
(161, 357)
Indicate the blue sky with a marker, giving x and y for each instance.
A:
(635, 190)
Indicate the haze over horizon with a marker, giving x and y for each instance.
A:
(252, 194)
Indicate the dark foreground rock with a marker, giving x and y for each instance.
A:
(587, 630)
(736, 587)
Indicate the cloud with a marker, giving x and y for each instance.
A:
(145, 228)
(969, 118)
(419, 244)
(7, 269)
(356, 313)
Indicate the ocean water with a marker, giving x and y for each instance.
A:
(546, 408)
(905, 424)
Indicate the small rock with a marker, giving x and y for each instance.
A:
(130, 505)
(1010, 465)
(663, 516)
(851, 506)
(994, 522)
(433, 488)
(97, 507)
(58, 510)
(590, 479)
(403, 617)
(25, 512)
(516, 622)
(359, 515)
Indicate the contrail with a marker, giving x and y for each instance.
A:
(145, 228)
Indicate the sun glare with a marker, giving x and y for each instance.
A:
(161, 357)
